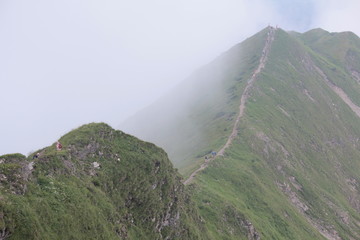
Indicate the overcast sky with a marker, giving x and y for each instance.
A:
(70, 62)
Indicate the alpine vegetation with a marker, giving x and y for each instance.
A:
(282, 112)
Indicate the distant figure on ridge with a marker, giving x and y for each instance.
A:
(36, 155)
(58, 146)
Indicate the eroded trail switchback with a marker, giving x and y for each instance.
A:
(244, 97)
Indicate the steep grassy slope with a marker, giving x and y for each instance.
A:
(293, 170)
(298, 137)
(340, 55)
(104, 184)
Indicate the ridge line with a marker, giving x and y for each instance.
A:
(244, 97)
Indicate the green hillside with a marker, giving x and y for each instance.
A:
(103, 184)
(292, 171)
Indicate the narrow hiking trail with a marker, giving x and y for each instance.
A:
(244, 97)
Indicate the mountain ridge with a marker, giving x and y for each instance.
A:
(300, 126)
(282, 111)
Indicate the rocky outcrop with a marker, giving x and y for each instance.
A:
(15, 171)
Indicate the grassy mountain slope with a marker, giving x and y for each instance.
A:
(293, 170)
(299, 138)
(104, 184)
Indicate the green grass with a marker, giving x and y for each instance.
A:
(134, 192)
(294, 127)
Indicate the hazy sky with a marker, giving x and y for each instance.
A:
(70, 62)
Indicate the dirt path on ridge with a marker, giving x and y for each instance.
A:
(244, 97)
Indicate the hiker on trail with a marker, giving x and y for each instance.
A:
(213, 154)
(58, 146)
(36, 155)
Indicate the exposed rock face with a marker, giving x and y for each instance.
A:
(15, 172)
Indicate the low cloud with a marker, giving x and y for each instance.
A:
(65, 63)
(337, 16)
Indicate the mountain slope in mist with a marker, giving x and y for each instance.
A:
(292, 170)
(197, 116)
